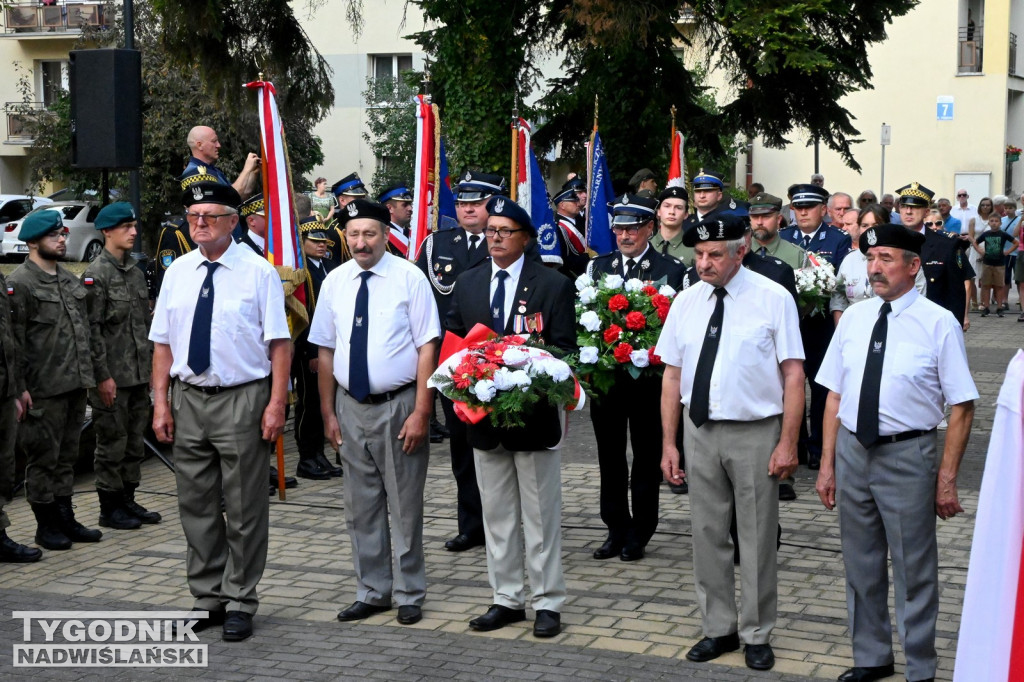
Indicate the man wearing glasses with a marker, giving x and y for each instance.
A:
(632, 403)
(50, 324)
(219, 331)
(518, 469)
(963, 211)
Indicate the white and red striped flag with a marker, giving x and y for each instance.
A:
(282, 235)
(991, 642)
(425, 173)
(677, 161)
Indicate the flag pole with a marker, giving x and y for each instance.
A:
(513, 180)
(672, 139)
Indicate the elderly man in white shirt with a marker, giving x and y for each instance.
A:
(219, 331)
(894, 361)
(734, 367)
(376, 324)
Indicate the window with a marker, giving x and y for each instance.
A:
(52, 80)
(15, 209)
(390, 65)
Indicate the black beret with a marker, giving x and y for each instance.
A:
(896, 236)
(674, 193)
(364, 208)
(715, 227)
(211, 193)
(506, 208)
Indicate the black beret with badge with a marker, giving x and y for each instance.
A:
(895, 236)
(211, 193)
(807, 195)
(365, 208)
(915, 194)
(506, 208)
(254, 205)
(478, 186)
(765, 203)
(716, 226)
(633, 209)
(350, 186)
(674, 193)
(312, 229)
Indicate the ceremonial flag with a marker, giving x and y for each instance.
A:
(532, 194)
(599, 195)
(446, 217)
(991, 644)
(282, 237)
(677, 162)
(425, 174)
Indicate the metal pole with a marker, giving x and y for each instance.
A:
(881, 191)
(134, 183)
(816, 171)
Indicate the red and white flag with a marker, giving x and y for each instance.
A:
(282, 235)
(991, 643)
(677, 162)
(425, 173)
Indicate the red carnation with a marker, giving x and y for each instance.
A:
(514, 340)
(618, 302)
(662, 313)
(659, 300)
(655, 359)
(650, 291)
(635, 320)
(612, 333)
(622, 352)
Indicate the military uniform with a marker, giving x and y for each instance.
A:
(945, 269)
(573, 245)
(174, 242)
(674, 248)
(345, 190)
(782, 249)
(118, 307)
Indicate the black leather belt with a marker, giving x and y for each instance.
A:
(900, 437)
(215, 390)
(378, 398)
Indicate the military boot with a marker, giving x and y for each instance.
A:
(134, 507)
(48, 534)
(12, 552)
(113, 513)
(68, 525)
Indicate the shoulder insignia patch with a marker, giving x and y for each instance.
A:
(166, 258)
(10, 290)
(88, 281)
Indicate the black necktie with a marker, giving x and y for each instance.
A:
(664, 248)
(358, 370)
(630, 264)
(199, 339)
(700, 395)
(474, 241)
(498, 304)
(806, 242)
(867, 409)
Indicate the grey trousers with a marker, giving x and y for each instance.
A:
(219, 446)
(727, 461)
(380, 479)
(886, 501)
(521, 495)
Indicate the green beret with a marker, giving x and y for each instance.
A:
(39, 224)
(115, 214)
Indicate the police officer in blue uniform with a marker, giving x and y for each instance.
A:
(398, 200)
(345, 191)
(812, 234)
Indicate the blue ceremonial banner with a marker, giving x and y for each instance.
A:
(599, 195)
(532, 194)
(446, 218)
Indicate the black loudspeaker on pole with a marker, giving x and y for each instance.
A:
(106, 109)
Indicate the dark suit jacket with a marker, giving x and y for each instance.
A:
(250, 243)
(942, 260)
(449, 258)
(660, 268)
(541, 290)
(829, 241)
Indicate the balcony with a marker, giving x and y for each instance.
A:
(970, 43)
(20, 118)
(1013, 54)
(52, 17)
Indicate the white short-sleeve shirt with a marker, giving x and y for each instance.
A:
(924, 366)
(403, 317)
(760, 329)
(248, 313)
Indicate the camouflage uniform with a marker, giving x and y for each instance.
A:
(51, 327)
(10, 387)
(118, 307)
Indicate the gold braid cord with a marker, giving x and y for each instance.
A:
(436, 202)
(298, 316)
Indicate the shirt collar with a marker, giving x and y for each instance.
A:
(734, 286)
(229, 258)
(675, 241)
(513, 270)
(380, 268)
(636, 258)
(904, 301)
(812, 235)
(258, 240)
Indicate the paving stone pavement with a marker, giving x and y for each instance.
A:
(623, 621)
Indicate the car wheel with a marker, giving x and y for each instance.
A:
(91, 251)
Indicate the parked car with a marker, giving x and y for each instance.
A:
(68, 194)
(14, 207)
(84, 241)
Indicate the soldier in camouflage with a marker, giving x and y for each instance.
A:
(51, 327)
(118, 307)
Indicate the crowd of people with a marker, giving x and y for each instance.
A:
(726, 420)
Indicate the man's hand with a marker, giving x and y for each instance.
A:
(826, 485)
(24, 403)
(314, 365)
(947, 503)
(273, 421)
(108, 392)
(163, 422)
(252, 163)
(414, 431)
(783, 461)
(670, 465)
(331, 430)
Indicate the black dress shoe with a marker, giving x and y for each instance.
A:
(813, 461)
(609, 549)
(497, 616)
(334, 471)
(548, 624)
(237, 626)
(13, 553)
(409, 614)
(312, 469)
(215, 617)
(680, 489)
(462, 542)
(289, 481)
(759, 656)
(711, 648)
(786, 492)
(361, 610)
(632, 552)
(868, 673)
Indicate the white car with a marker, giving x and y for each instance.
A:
(85, 242)
(14, 207)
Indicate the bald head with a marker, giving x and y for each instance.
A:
(203, 143)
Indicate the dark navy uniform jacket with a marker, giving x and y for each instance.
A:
(827, 241)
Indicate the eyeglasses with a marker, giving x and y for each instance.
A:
(208, 218)
(937, 223)
(961, 196)
(57, 234)
(503, 232)
(628, 229)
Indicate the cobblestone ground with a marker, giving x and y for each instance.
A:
(622, 621)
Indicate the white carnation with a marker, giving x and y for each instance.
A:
(520, 378)
(640, 358)
(588, 355)
(515, 357)
(612, 282)
(484, 390)
(590, 321)
(633, 285)
(584, 281)
(666, 290)
(554, 368)
(503, 380)
(588, 295)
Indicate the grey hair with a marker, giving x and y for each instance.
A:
(909, 256)
(831, 202)
(733, 245)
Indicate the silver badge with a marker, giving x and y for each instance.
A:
(197, 192)
(872, 238)
(522, 308)
(878, 347)
(206, 292)
(721, 230)
(353, 210)
(499, 205)
(645, 264)
(468, 177)
(359, 321)
(615, 263)
(713, 332)
(702, 233)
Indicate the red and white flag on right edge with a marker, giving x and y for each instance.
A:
(991, 642)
